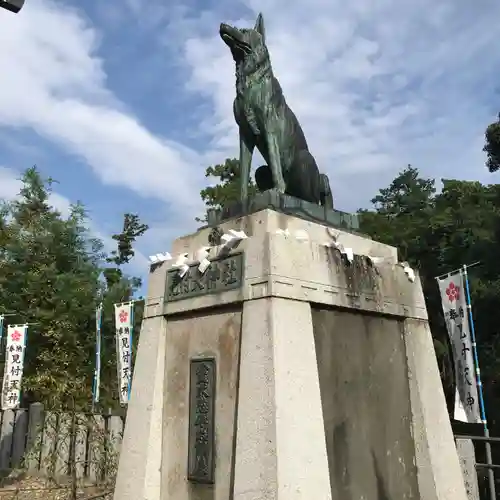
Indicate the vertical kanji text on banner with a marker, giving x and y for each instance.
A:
(124, 316)
(454, 302)
(14, 366)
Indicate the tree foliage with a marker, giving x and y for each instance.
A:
(439, 233)
(51, 276)
(132, 229)
(227, 190)
(436, 233)
(399, 210)
(492, 146)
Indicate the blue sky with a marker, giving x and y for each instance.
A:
(126, 103)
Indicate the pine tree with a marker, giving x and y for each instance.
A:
(227, 190)
(52, 276)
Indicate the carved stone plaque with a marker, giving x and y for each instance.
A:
(201, 457)
(223, 274)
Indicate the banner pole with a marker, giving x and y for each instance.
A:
(489, 460)
(2, 317)
(474, 264)
(131, 338)
(97, 368)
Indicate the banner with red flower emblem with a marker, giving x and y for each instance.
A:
(124, 317)
(454, 301)
(14, 366)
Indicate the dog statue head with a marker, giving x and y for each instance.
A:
(248, 46)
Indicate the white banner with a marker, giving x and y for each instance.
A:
(124, 324)
(14, 365)
(453, 298)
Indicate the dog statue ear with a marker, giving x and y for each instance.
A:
(259, 26)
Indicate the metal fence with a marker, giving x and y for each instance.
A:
(58, 444)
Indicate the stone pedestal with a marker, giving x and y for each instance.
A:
(325, 383)
(467, 458)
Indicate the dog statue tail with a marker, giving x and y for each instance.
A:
(326, 195)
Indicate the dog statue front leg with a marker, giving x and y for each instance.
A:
(246, 150)
(275, 163)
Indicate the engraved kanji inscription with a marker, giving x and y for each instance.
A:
(223, 274)
(201, 420)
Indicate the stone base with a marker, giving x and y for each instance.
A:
(327, 385)
(467, 457)
(287, 205)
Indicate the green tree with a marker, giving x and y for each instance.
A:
(401, 213)
(466, 229)
(119, 289)
(123, 291)
(492, 145)
(400, 218)
(438, 233)
(132, 229)
(51, 276)
(227, 190)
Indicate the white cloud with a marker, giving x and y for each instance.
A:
(10, 186)
(54, 82)
(376, 85)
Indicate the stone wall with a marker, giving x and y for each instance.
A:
(366, 405)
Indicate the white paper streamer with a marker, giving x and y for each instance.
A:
(347, 251)
(283, 232)
(301, 235)
(159, 257)
(408, 271)
(202, 258)
(231, 238)
(181, 264)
